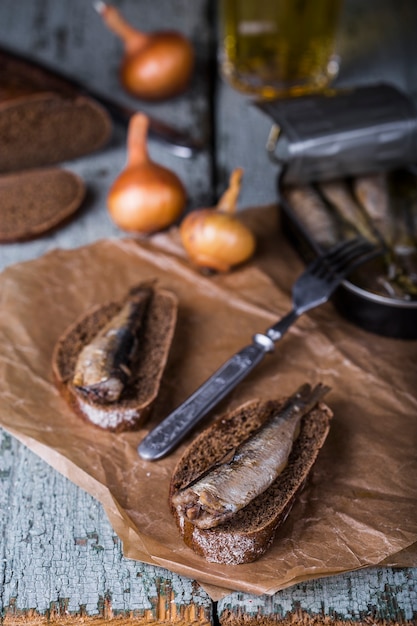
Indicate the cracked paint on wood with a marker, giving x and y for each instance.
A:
(300, 618)
(367, 596)
(62, 563)
(61, 559)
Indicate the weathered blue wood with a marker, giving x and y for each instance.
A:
(369, 596)
(60, 555)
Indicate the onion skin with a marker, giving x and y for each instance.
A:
(146, 201)
(161, 70)
(146, 197)
(213, 237)
(156, 66)
(216, 240)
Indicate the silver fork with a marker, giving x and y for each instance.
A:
(313, 288)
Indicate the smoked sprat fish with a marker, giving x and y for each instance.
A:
(314, 215)
(338, 194)
(372, 194)
(249, 469)
(389, 200)
(103, 367)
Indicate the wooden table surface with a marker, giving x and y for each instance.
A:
(60, 560)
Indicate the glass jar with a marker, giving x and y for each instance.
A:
(278, 48)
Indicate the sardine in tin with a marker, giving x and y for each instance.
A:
(321, 142)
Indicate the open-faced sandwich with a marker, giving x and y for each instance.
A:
(236, 482)
(109, 363)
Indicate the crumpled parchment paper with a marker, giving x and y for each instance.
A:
(359, 507)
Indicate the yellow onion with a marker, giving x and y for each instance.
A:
(157, 65)
(145, 197)
(214, 238)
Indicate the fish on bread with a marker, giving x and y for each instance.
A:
(108, 364)
(227, 495)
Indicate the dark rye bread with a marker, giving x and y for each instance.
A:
(39, 129)
(250, 532)
(35, 201)
(44, 119)
(155, 339)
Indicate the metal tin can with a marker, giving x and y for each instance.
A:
(351, 132)
(338, 138)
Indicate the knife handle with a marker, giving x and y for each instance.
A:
(168, 434)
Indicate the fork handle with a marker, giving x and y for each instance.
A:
(166, 435)
(279, 329)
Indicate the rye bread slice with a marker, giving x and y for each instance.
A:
(155, 338)
(46, 128)
(44, 119)
(36, 201)
(250, 532)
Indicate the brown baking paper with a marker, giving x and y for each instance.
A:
(359, 505)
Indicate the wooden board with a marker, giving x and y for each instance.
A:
(369, 596)
(60, 560)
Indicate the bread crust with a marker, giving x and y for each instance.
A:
(51, 129)
(136, 402)
(251, 531)
(45, 118)
(36, 201)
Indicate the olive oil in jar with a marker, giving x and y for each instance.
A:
(279, 47)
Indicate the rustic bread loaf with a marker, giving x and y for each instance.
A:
(154, 339)
(35, 201)
(250, 531)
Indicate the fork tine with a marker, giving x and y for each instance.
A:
(343, 258)
(350, 254)
(337, 250)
